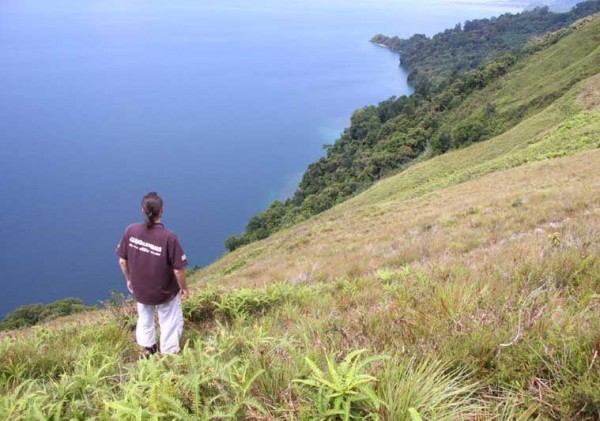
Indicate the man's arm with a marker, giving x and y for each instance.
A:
(125, 270)
(180, 276)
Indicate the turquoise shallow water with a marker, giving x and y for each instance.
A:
(217, 105)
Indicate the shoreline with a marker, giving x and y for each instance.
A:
(381, 45)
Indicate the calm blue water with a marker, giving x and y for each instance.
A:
(217, 105)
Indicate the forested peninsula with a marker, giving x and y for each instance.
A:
(444, 71)
(436, 62)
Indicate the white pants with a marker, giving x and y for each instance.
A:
(170, 319)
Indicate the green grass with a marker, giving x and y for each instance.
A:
(533, 140)
(537, 81)
(430, 345)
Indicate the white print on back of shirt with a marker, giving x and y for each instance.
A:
(144, 246)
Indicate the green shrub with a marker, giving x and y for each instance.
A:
(344, 390)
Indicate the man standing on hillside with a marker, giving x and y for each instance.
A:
(153, 263)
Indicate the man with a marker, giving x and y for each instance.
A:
(153, 263)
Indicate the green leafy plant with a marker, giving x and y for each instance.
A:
(202, 305)
(122, 309)
(343, 391)
(414, 414)
(386, 275)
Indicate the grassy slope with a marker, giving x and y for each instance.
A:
(434, 268)
(559, 129)
(538, 81)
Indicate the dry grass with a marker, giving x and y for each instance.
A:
(589, 99)
(432, 210)
(470, 219)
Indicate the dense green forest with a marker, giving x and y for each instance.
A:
(384, 138)
(435, 62)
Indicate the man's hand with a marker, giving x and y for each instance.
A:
(125, 270)
(180, 276)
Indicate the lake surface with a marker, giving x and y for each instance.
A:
(217, 105)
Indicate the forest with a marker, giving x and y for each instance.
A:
(435, 62)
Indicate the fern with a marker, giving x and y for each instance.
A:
(344, 389)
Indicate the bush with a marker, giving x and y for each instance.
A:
(32, 314)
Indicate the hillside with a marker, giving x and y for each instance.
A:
(394, 134)
(464, 287)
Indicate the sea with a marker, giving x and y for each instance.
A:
(218, 105)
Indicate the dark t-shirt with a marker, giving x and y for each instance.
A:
(152, 254)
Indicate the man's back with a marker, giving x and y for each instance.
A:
(152, 254)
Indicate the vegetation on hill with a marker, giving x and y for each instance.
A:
(477, 301)
(32, 314)
(368, 232)
(386, 138)
(465, 287)
(435, 62)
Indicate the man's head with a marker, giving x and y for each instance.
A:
(152, 207)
